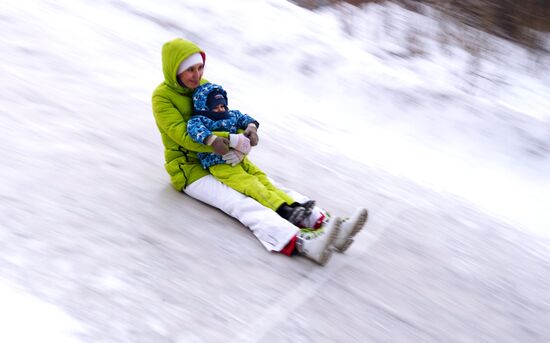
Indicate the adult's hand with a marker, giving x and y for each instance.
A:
(220, 145)
(233, 157)
(252, 133)
(240, 142)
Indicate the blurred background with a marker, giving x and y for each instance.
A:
(433, 115)
(525, 23)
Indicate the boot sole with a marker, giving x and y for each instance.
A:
(327, 251)
(360, 223)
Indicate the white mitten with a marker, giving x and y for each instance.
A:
(233, 157)
(240, 142)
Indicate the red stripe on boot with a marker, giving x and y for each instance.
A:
(319, 221)
(289, 248)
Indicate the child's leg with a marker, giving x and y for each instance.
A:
(252, 169)
(318, 215)
(237, 178)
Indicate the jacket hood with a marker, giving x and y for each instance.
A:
(173, 53)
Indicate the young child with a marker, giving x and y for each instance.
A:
(212, 114)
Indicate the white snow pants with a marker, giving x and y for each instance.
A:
(273, 231)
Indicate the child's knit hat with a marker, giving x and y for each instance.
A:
(215, 98)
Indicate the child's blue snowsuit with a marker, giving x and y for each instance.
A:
(245, 177)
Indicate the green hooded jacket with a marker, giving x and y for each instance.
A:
(172, 108)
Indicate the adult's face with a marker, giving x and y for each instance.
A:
(192, 76)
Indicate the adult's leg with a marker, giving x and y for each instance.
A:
(273, 231)
(320, 217)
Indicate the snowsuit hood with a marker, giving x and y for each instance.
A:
(200, 101)
(173, 53)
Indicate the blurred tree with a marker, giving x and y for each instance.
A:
(510, 19)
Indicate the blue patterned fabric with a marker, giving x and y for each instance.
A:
(200, 126)
(201, 94)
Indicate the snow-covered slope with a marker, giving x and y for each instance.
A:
(478, 128)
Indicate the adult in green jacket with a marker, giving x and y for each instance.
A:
(183, 66)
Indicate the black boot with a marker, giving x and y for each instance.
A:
(295, 215)
(308, 206)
